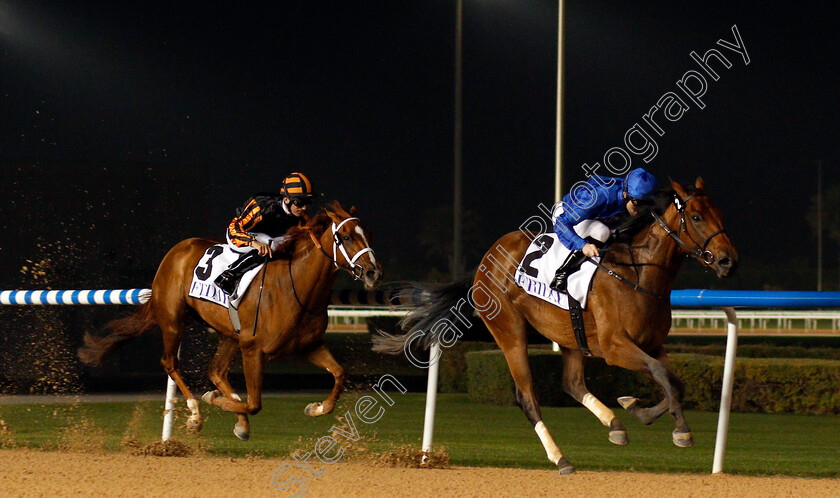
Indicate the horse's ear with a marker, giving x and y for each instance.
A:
(678, 188)
(700, 184)
(333, 215)
(353, 211)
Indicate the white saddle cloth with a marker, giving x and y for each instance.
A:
(537, 268)
(217, 259)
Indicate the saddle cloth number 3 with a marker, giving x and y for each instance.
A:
(204, 272)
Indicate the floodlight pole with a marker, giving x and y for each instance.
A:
(819, 227)
(558, 150)
(457, 183)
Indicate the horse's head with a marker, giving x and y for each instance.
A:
(351, 246)
(701, 229)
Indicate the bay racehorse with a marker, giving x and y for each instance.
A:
(627, 318)
(290, 312)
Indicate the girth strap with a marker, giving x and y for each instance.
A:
(576, 315)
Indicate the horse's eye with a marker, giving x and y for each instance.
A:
(695, 218)
(347, 238)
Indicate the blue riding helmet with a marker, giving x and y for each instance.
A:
(640, 184)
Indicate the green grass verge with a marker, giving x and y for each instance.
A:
(474, 435)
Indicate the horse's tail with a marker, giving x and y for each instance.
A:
(431, 304)
(98, 349)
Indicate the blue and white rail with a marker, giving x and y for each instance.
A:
(344, 297)
(71, 297)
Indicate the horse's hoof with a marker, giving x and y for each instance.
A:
(683, 439)
(628, 402)
(564, 467)
(241, 432)
(619, 438)
(209, 396)
(194, 425)
(313, 409)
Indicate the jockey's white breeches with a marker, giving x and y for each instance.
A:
(593, 228)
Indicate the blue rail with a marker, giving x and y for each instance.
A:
(685, 297)
(755, 299)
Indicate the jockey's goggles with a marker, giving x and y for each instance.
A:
(300, 202)
(640, 202)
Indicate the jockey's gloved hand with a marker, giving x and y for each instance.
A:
(262, 248)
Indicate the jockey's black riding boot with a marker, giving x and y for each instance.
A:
(571, 265)
(229, 279)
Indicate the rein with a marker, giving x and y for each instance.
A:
(352, 268)
(294, 291)
(630, 283)
(700, 252)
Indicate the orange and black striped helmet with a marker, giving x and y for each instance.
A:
(297, 186)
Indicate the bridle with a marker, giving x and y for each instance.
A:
(351, 267)
(698, 251)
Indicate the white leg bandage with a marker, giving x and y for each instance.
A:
(604, 414)
(551, 449)
(192, 404)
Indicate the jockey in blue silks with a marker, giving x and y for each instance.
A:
(600, 197)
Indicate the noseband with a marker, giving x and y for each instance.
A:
(352, 267)
(698, 251)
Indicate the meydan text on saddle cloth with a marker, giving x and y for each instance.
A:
(217, 259)
(537, 268)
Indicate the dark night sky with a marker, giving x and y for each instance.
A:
(223, 100)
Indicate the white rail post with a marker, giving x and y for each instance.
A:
(726, 389)
(169, 406)
(431, 401)
(168, 410)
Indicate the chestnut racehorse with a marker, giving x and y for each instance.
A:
(291, 319)
(627, 318)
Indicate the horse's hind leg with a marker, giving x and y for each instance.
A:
(573, 383)
(172, 331)
(253, 365)
(322, 357)
(218, 373)
(515, 347)
(625, 353)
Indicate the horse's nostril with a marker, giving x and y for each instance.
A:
(725, 262)
(372, 274)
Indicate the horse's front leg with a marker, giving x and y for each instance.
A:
(625, 353)
(650, 414)
(646, 415)
(575, 386)
(321, 357)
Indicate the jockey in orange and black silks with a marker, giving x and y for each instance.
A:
(253, 232)
(600, 197)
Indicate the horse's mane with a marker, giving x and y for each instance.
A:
(316, 225)
(627, 226)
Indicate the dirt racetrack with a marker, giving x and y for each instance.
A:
(41, 473)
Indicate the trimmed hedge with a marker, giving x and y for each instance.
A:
(759, 351)
(769, 385)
